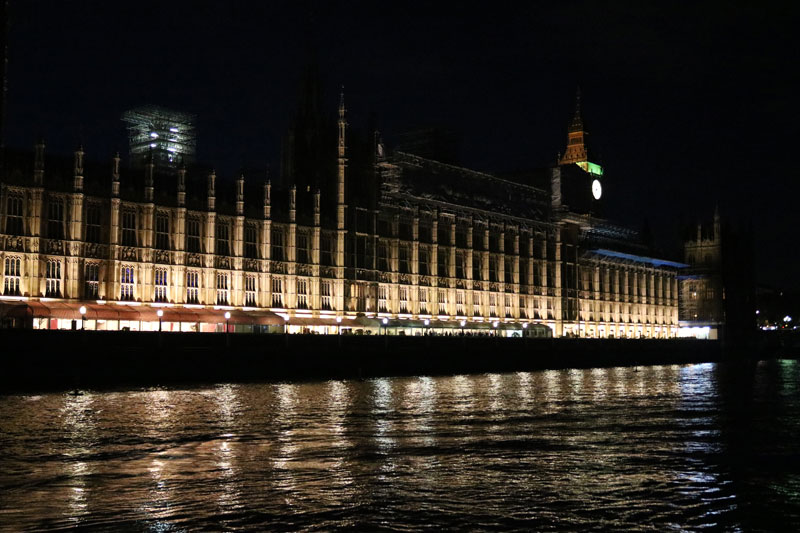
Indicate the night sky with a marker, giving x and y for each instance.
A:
(688, 105)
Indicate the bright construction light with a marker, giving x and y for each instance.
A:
(174, 130)
(152, 145)
(427, 322)
(758, 312)
(385, 321)
(525, 325)
(227, 315)
(160, 313)
(787, 319)
(154, 135)
(82, 310)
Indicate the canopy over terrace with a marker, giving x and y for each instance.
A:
(60, 315)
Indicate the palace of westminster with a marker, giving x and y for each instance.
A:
(356, 238)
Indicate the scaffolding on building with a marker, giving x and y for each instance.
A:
(168, 135)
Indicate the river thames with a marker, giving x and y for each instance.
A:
(661, 448)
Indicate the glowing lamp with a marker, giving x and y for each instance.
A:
(159, 313)
(463, 323)
(385, 321)
(427, 322)
(227, 315)
(525, 325)
(338, 320)
(82, 310)
(495, 323)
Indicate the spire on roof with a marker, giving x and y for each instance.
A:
(577, 118)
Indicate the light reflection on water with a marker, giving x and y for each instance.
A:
(647, 448)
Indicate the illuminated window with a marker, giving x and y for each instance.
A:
(129, 228)
(492, 304)
(126, 283)
(423, 300)
(326, 291)
(162, 231)
(223, 290)
(55, 218)
(302, 293)
(250, 290)
(460, 303)
(14, 215)
(442, 297)
(91, 279)
(251, 241)
(192, 287)
(476, 304)
(11, 276)
(223, 239)
(277, 292)
(523, 307)
(160, 283)
(403, 297)
(93, 223)
(193, 236)
(53, 278)
(383, 297)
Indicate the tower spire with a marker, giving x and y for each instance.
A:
(577, 118)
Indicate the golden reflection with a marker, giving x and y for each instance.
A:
(228, 408)
(524, 388)
(599, 384)
(78, 421)
(286, 446)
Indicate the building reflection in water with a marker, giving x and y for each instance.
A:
(79, 427)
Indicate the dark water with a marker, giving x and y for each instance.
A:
(666, 448)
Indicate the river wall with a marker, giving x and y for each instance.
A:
(46, 360)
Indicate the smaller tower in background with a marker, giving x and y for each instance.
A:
(577, 150)
(166, 134)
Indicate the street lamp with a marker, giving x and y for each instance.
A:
(427, 323)
(494, 325)
(338, 325)
(385, 321)
(159, 313)
(227, 318)
(82, 311)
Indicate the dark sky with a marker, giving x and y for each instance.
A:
(689, 104)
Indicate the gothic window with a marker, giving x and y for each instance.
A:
(326, 290)
(460, 303)
(160, 282)
(383, 298)
(303, 252)
(508, 306)
(14, 215)
(53, 279)
(129, 228)
(11, 277)
(93, 223)
(193, 236)
(442, 298)
(91, 279)
(523, 271)
(55, 218)
(192, 286)
(127, 283)
(302, 293)
(250, 290)
(251, 241)
(443, 261)
(277, 249)
(492, 304)
(461, 264)
(423, 300)
(403, 297)
(277, 292)
(477, 273)
(326, 250)
(223, 290)
(403, 259)
(383, 256)
(424, 261)
(508, 269)
(223, 238)
(476, 303)
(494, 265)
(162, 231)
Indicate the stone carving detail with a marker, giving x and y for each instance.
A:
(424, 280)
(97, 251)
(442, 282)
(277, 267)
(405, 279)
(193, 260)
(163, 257)
(15, 244)
(128, 254)
(303, 270)
(327, 272)
(477, 285)
(54, 246)
(251, 265)
(222, 262)
(384, 277)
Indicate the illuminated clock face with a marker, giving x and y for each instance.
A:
(597, 189)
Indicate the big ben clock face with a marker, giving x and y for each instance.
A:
(597, 189)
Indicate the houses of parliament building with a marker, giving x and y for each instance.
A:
(356, 238)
